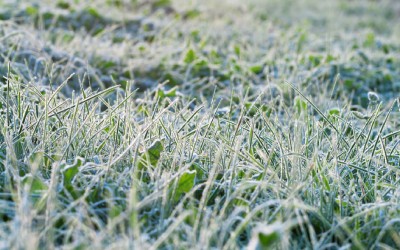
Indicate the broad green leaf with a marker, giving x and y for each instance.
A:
(190, 14)
(162, 3)
(267, 240)
(386, 48)
(369, 40)
(190, 56)
(268, 237)
(114, 211)
(151, 156)
(237, 50)
(162, 93)
(63, 5)
(256, 69)
(32, 10)
(37, 186)
(93, 12)
(70, 171)
(154, 152)
(106, 64)
(185, 184)
(36, 158)
(329, 58)
(334, 113)
(200, 172)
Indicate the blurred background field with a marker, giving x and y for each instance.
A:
(198, 45)
(204, 124)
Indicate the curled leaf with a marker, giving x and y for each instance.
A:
(373, 97)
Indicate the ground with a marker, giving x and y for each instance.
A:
(177, 124)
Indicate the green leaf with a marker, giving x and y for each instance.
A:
(190, 56)
(162, 3)
(300, 105)
(329, 58)
(104, 65)
(162, 93)
(36, 158)
(237, 50)
(256, 69)
(154, 152)
(333, 114)
(37, 186)
(373, 97)
(32, 10)
(268, 238)
(200, 172)
(151, 155)
(93, 12)
(369, 40)
(63, 5)
(70, 171)
(334, 111)
(326, 183)
(190, 14)
(114, 212)
(386, 48)
(185, 184)
(253, 108)
(68, 174)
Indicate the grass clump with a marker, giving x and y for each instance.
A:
(178, 135)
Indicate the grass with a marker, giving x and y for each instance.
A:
(196, 124)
